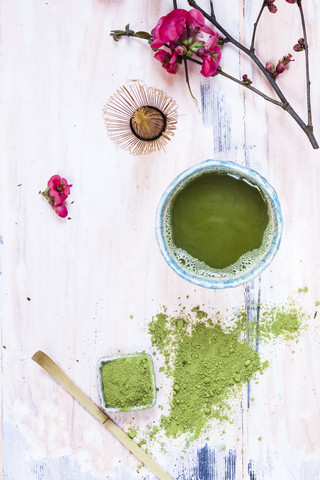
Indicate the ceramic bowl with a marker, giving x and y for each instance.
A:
(243, 173)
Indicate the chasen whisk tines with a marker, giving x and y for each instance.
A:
(139, 118)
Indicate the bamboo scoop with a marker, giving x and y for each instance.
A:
(52, 368)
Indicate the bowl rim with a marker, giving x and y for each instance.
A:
(250, 174)
(108, 358)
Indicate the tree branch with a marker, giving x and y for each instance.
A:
(253, 89)
(283, 103)
(246, 85)
(212, 10)
(256, 25)
(306, 51)
(188, 82)
(307, 129)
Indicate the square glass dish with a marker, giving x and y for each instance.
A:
(126, 382)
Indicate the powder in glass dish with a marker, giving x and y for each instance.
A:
(127, 382)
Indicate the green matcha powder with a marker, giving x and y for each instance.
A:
(209, 364)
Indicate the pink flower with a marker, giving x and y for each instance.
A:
(195, 19)
(182, 32)
(171, 27)
(58, 189)
(168, 60)
(56, 193)
(291, 1)
(61, 210)
(210, 63)
(211, 55)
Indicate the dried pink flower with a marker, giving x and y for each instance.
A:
(56, 193)
(58, 189)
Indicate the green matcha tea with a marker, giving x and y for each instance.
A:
(218, 223)
(218, 218)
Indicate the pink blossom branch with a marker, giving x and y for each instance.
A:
(308, 130)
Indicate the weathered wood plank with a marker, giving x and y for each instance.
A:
(70, 287)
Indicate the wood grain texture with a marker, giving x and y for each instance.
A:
(70, 287)
(61, 378)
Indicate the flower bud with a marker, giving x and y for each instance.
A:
(291, 1)
(246, 80)
(270, 67)
(282, 64)
(181, 50)
(281, 67)
(272, 8)
(298, 47)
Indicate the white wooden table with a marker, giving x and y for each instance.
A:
(70, 287)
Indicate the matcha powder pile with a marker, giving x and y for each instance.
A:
(207, 364)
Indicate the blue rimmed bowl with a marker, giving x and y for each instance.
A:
(217, 279)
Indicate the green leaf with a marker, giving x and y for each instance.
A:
(128, 31)
(145, 35)
(116, 34)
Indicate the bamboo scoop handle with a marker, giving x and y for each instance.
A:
(52, 368)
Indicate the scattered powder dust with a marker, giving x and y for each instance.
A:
(303, 290)
(209, 363)
(284, 321)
